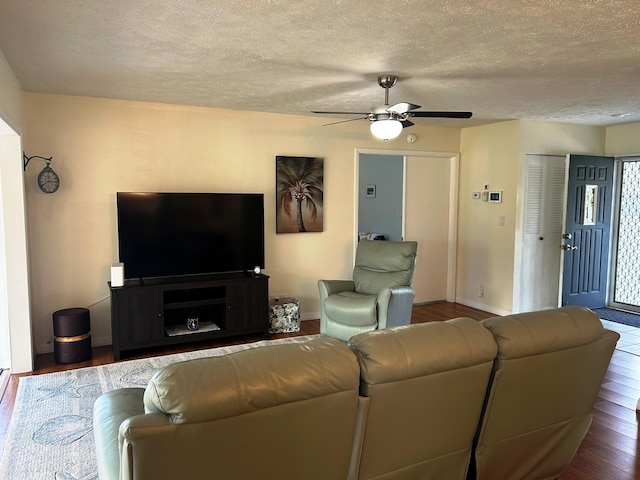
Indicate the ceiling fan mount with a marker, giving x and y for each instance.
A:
(387, 81)
(395, 117)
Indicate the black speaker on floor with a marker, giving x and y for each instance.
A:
(72, 331)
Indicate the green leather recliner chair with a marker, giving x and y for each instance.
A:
(379, 296)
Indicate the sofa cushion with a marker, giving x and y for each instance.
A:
(526, 334)
(221, 387)
(426, 385)
(360, 309)
(411, 351)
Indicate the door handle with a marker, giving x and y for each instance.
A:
(566, 236)
(568, 247)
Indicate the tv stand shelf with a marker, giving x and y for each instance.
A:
(193, 303)
(151, 313)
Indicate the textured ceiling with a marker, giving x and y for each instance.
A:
(572, 61)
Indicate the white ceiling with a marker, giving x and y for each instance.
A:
(572, 61)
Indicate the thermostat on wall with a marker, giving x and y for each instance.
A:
(495, 197)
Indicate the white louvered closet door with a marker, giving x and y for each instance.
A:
(543, 220)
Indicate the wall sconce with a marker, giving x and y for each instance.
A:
(48, 180)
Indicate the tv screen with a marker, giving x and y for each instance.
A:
(171, 234)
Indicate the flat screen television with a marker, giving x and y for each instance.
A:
(176, 234)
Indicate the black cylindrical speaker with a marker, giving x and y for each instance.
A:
(72, 342)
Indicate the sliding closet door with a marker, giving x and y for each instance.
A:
(431, 192)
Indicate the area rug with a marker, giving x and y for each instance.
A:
(50, 435)
(618, 316)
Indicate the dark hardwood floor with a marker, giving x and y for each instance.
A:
(608, 452)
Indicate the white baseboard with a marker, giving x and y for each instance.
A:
(310, 316)
(46, 348)
(482, 306)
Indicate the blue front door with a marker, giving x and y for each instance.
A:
(587, 231)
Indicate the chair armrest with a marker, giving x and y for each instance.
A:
(109, 411)
(329, 287)
(395, 306)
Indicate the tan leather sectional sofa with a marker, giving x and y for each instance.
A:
(507, 398)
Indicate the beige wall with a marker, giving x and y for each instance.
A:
(103, 146)
(623, 140)
(560, 138)
(546, 138)
(10, 96)
(489, 254)
(485, 249)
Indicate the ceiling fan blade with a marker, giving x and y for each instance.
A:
(342, 113)
(406, 123)
(441, 114)
(345, 121)
(402, 107)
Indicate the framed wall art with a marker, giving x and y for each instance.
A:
(370, 191)
(299, 194)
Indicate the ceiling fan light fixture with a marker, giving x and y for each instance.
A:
(387, 121)
(386, 129)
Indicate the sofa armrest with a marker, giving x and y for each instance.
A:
(395, 306)
(109, 411)
(138, 430)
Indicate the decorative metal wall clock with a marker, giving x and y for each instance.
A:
(48, 180)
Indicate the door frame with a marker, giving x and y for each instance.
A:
(15, 282)
(454, 167)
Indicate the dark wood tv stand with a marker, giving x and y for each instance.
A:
(154, 312)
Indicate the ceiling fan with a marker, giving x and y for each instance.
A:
(388, 121)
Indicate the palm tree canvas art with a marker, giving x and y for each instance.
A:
(299, 194)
